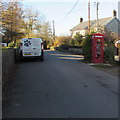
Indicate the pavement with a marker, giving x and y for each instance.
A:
(61, 87)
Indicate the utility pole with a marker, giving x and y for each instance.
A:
(89, 16)
(119, 19)
(97, 4)
(53, 30)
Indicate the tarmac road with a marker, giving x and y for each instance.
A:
(61, 87)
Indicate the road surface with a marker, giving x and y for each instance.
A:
(61, 87)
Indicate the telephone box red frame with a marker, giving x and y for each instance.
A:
(97, 48)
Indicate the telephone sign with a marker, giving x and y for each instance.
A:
(97, 48)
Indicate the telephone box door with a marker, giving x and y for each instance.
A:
(97, 48)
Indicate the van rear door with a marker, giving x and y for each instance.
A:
(32, 47)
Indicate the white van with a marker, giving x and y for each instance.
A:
(31, 47)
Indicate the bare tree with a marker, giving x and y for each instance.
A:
(30, 21)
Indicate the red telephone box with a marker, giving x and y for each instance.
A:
(97, 48)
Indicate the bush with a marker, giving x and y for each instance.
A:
(52, 48)
(77, 40)
(86, 45)
(11, 44)
(64, 47)
(109, 54)
(62, 40)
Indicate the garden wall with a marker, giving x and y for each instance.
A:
(8, 64)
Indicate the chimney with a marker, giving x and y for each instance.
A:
(81, 19)
(114, 13)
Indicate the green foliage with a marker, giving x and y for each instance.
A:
(77, 40)
(109, 54)
(62, 40)
(17, 43)
(11, 44)
(72, 42)
(86, 45)
(109, 39)
(64, 43)
(64, 47)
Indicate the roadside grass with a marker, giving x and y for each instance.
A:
(110, 69)
(103, 66)
(113, 69)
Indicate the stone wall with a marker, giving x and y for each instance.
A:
(0, 84)
(8, 64)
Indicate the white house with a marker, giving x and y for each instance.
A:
(110, 23)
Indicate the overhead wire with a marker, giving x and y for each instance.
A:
(70, 10)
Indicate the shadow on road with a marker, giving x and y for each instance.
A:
(68, 56)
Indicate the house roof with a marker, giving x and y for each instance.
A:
(84, 25)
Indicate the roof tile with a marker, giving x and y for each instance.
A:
(84, 25)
